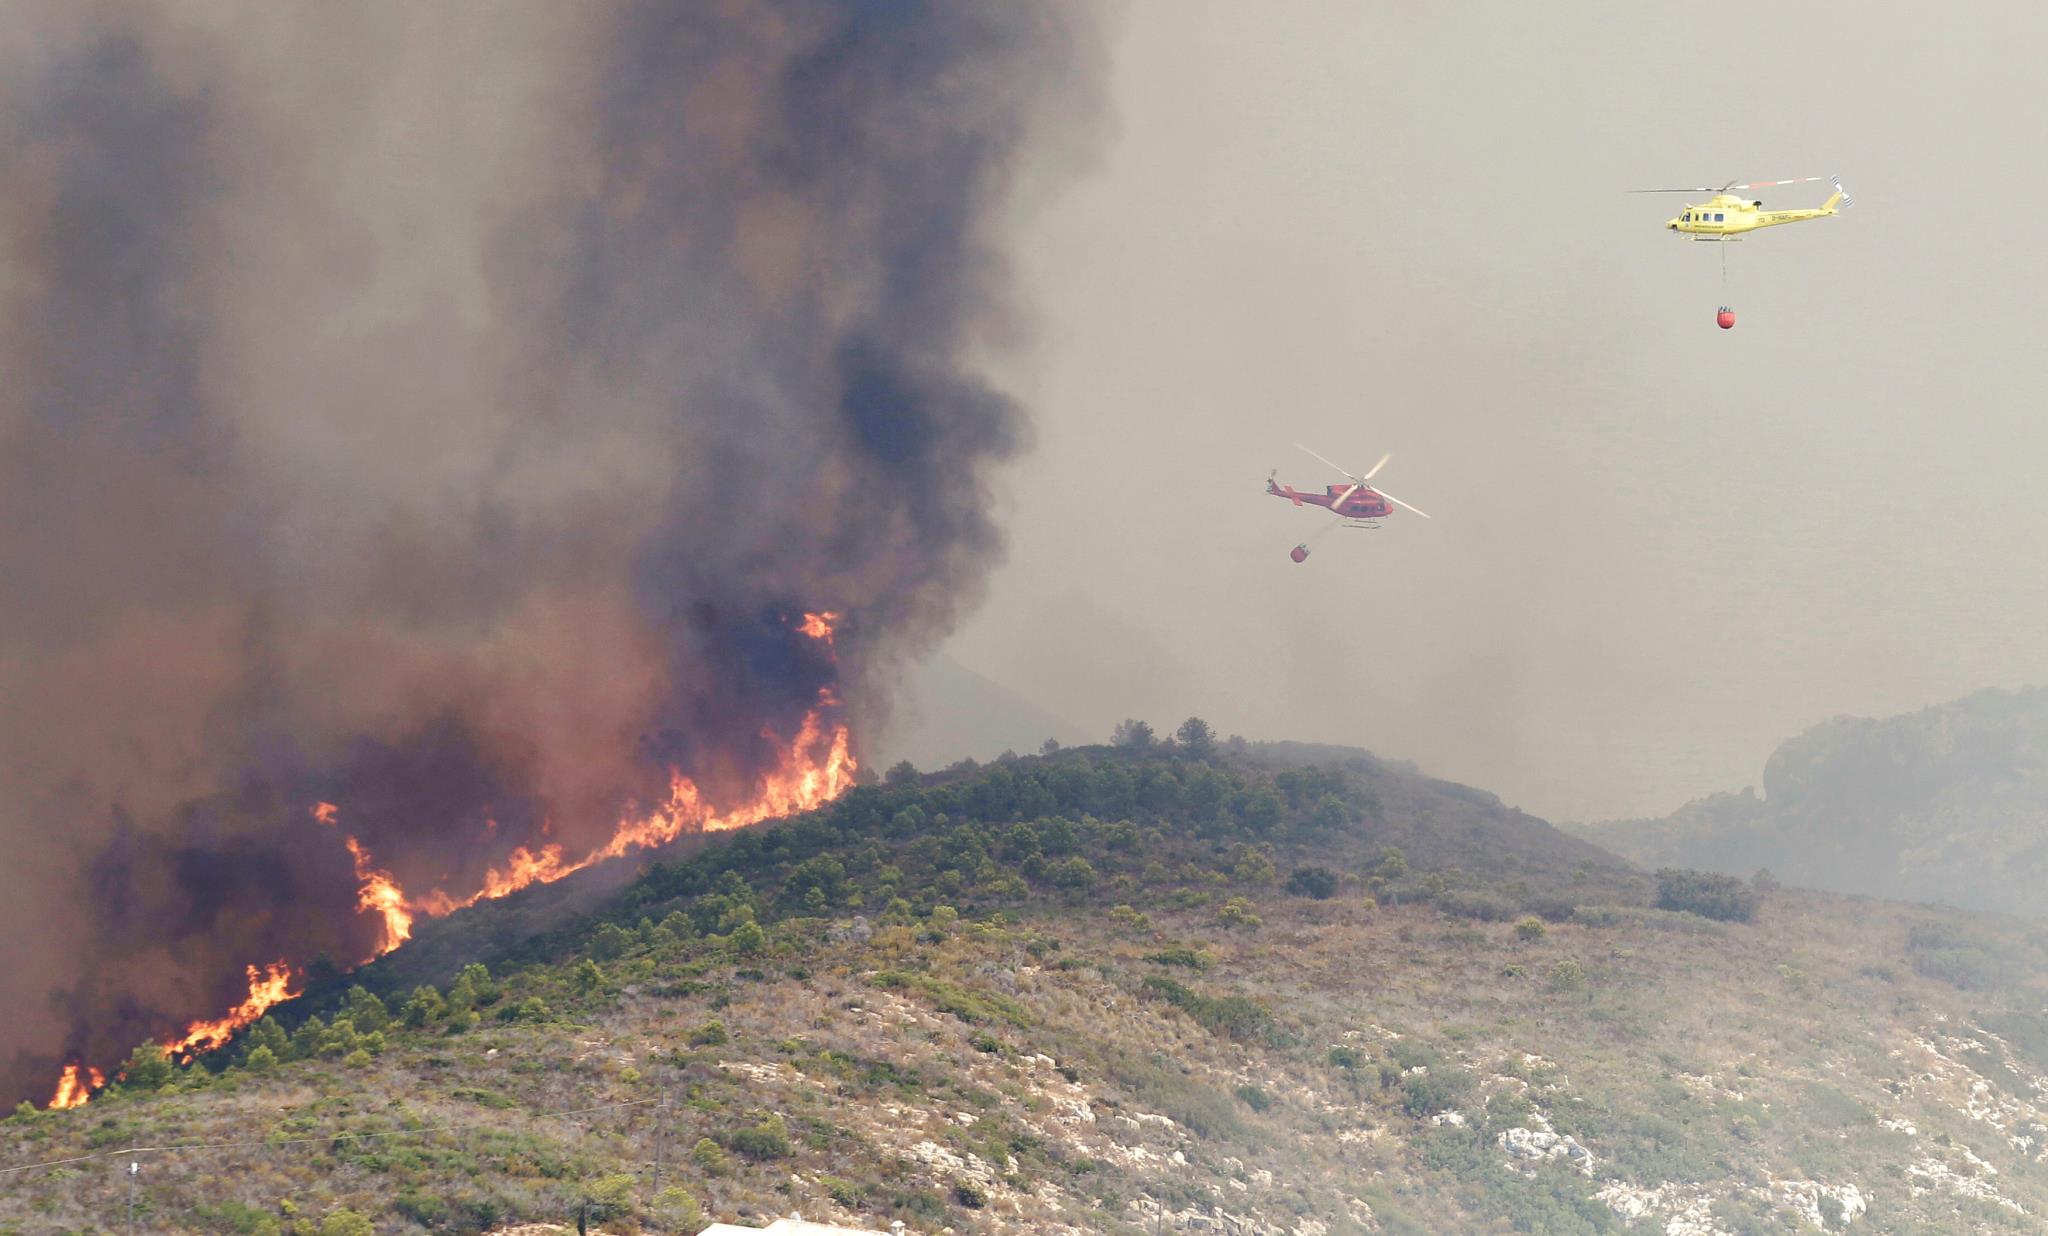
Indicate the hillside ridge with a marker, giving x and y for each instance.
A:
(1946, 804)
(1117, 990)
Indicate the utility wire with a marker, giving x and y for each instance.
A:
(301, 1141)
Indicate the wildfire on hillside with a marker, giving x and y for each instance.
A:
(267, 986)
(818, 766)
(813, 767)
(380, 894)
(76, 1086)
(614, 550)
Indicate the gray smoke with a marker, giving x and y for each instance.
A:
(449, 412)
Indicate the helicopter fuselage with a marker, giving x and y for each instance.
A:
(1727, 215)
(1349, 501)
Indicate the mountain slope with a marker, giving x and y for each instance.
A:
(1948, 804)
(1117, 991)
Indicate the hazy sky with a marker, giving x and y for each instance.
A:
(1659, 548)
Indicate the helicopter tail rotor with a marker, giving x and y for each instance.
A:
(1841, 200)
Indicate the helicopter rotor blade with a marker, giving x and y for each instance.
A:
(1346, 471)
(1754, 184)
(1772, 184)
(1403, 505)
(1375, 469)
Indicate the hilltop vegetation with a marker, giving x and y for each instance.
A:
(1108, 990)
(1948, 804)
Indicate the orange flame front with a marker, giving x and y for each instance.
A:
(267, 986)
(73, 1089)
(816, 766)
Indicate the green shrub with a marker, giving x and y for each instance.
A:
(767, 1140)
(611, 941)
(1706, 894)
(1424, 1093)
(748, 938)
(1237, 913)
(1182, 955)
(1075, 872)
(1529, 929)
(1960, 957)
(679, 1209)
(346, 1222)
(1568, 975)
(710, 1157)
(1484, 907)
(1232, 1016)
(1253, 866)
(711, 1034)
(423, 1008)
(1551, 909)
(1253, 1097)
(968, 1005)
(148, 1067)
(1318, 883)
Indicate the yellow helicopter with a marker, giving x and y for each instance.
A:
(1725, 216)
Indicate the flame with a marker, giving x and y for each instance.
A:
(380, 893)
(819, 626)
(816, 766)
(267, 986)
(377, 891)
(73, 1090)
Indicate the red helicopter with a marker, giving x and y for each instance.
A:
(1357, 504)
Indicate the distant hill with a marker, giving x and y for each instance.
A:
(948, 713)
(1273, 990)
(1948, 804)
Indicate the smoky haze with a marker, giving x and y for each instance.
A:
(450, 412)
(1659, 549)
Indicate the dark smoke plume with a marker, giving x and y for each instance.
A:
(448, 412)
